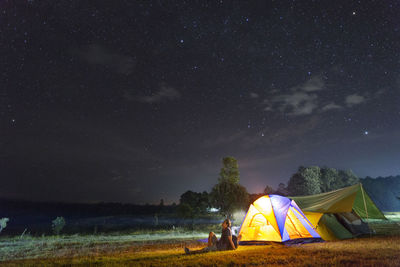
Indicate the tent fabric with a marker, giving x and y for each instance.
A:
(275, 218)
(313, 217)
(372, 209)
(353, 223)
(280, 205)
(340, 214)
(335, 230)
(342, 200)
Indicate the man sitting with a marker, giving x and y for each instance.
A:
(224, 243)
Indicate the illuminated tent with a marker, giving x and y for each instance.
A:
(340, 214)
(275, 218)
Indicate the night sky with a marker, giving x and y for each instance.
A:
(137, 101)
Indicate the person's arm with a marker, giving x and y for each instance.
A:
(231, 242)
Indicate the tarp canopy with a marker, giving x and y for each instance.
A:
(275, 218)
(351, 198)
(339, 214)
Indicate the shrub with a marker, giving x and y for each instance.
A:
(3, 223)
(57, 225)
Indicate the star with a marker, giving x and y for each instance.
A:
(354, 13)
(366, 132)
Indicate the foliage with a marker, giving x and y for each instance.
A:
(314, 180)
(268, 190)
(3, 223)
(228, 195)
(186, 211)
(192, 204)
(328, 179)
(57, 225)
(306, 181)
(346, 178)
(282, 190)
(230, 170)
(199, 202)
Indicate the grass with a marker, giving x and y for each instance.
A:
(59, 246)
(125, 250)
(165, 248)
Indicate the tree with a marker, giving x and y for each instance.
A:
(192, 204)
(230, 170)
(228, 195)
(268, 190)
(348, 178)
(282, 190)
(306, 181)
(329, 177)
(199, 202)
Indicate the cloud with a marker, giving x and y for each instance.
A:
(98, 55)
(298, 103)
(164, 94)
(352, 100)
(314, 84)
(331, 106)
(254, 95)
(302, 99)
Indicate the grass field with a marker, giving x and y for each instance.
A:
(374, 251)
(166, 248)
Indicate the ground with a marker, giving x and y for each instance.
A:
(166, 248)
(369, 251)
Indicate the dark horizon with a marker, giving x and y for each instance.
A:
(137, 102)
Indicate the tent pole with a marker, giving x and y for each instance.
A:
(365, 207)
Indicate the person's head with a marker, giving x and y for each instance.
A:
(226, 223)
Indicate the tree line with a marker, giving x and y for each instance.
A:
(228, 195)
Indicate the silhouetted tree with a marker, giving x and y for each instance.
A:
(329, 177)
(268, 190)
(228, 195)
(306, 181)
(348, 178)
(230, 170)
(282, 190)
(199, 202)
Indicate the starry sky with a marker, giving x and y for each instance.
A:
(134, 101)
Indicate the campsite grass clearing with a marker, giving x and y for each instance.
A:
(370, 251)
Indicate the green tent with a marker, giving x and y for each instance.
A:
(340, 214)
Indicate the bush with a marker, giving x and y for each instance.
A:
(57, 225)
(3, 223)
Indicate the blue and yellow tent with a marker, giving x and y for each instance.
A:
(275, 218)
